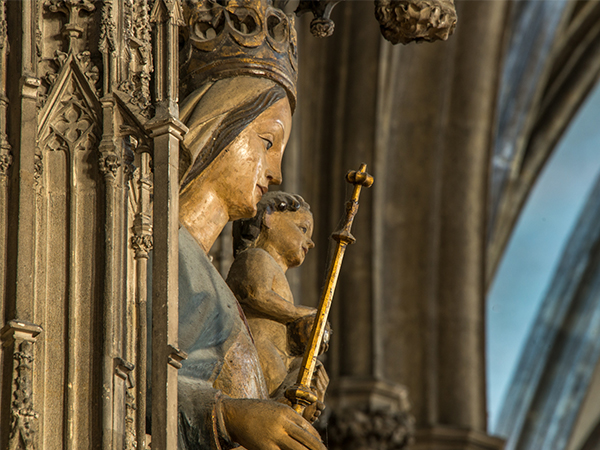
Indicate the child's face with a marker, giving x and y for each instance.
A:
(290, 234)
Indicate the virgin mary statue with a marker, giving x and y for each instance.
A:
(238, 77)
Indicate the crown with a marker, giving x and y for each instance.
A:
(227, 38)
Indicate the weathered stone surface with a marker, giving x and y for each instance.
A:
(405, 21)
(78, 167)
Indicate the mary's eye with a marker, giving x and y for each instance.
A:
(303, 229)
(268, 143)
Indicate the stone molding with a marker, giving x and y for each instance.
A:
(440, 437)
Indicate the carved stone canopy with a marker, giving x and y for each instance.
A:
(229, 38)
(401, 21)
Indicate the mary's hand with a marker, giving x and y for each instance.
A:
(268, 425)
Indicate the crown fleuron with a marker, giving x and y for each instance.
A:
(227, 38)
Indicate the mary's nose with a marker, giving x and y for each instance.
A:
(274, 177)
(274, 172)
(310, 243)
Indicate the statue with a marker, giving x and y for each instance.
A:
(238, 89)
(265, 247)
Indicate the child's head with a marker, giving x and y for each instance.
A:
(283, 223)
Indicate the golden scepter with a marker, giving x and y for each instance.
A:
(300, 394)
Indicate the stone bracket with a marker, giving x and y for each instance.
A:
(176, 356)
(124, 370)
(19, 330)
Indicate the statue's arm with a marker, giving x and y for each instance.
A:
(318, 385)
(210, 420)
(251, 280)
(265, 424)
(201, 420)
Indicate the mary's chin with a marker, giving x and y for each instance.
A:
(243, 212)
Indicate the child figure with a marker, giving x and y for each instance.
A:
(265, 247)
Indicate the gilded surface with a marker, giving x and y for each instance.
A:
(240, 38)
(266, 246)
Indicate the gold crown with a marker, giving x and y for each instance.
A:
(226, 38)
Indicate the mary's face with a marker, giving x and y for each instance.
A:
(244, 170)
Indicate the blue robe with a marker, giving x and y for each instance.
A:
(222, 359)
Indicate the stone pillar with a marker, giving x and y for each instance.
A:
(167, 132)
(435, 234)
(18, 204)
(76, 91)
(410, 307)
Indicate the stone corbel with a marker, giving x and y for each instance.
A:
(401, 21)
(369, 414)
(321, 25)
(176, 357)
(405, 21)
(109, 163)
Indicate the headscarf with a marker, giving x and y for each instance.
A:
(215, 113)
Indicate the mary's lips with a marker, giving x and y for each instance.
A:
(263, 190)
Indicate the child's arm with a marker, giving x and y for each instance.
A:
(252, 277)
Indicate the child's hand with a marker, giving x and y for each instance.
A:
(319, 384)
(313, 412)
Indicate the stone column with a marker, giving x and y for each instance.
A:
(409, 310)
(167, 132)
(18, 207)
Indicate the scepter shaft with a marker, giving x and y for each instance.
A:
(301, 392)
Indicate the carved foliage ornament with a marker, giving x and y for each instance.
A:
(353, 429)
(71, 9)
(60, 60)
(139, 55)
(69, 6)
(38, 169)
(5, 162)
(404, 21)
(142, 244)
(130, 409)
(3, 25)
(108, 28)
(23, 415)
(109, 164)
(91, 72)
